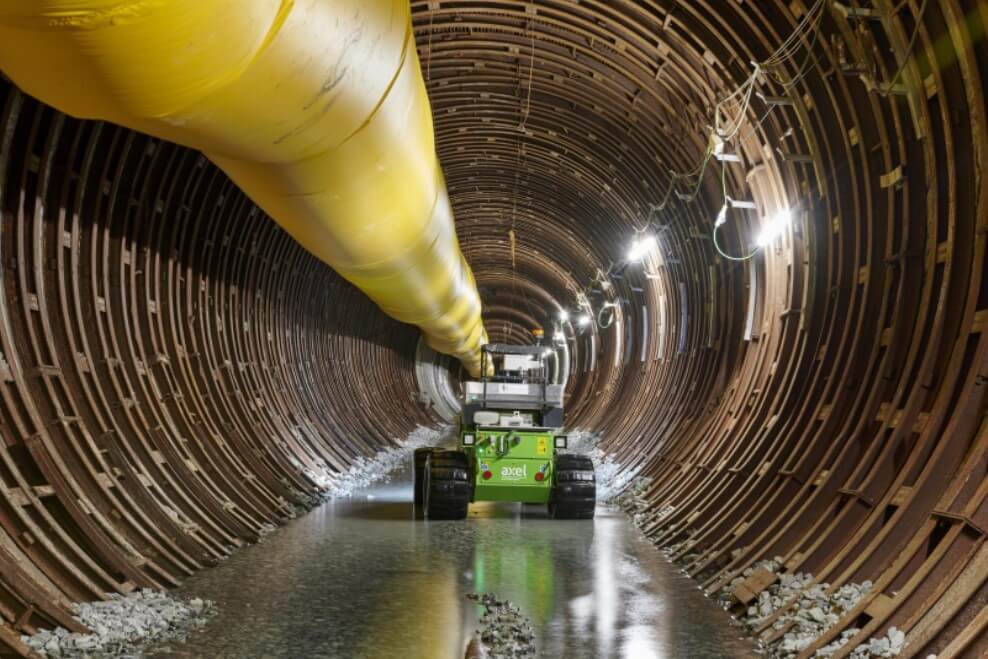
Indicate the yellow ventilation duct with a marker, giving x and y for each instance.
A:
(315, 108)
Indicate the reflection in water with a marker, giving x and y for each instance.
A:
(361, 578)
(605, 592)
(437, 626)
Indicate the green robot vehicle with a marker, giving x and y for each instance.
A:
(510, 445)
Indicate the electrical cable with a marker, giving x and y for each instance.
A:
(806, 36)
(719, 223)
(787, 51)
(522, 127)
(728, 256)
(726, 129)
(890, 85)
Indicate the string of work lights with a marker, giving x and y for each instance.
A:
(731, 115)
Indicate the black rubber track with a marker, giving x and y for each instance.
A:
(447, 486)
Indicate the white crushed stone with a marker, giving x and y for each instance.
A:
(832, 648)
(889, 645)
(121, 623)
(612, 478)
(814, 613)
(724, 596)
(634, 504)
(505, 632)
(367, 471)
(810, 611)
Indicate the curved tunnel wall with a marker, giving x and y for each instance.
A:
(823, 401)
(171, 385)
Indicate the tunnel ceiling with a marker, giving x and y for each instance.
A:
(177, 374)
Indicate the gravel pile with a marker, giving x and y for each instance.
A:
(121, 623)
(634, 504)
(674, 553)
(612, 479)
(725, 594)
(831, 649)
(505, 632)
(615, 485)
(367, 471)
(736, 553)
(889, 645)
(632, 500)
(814, 612)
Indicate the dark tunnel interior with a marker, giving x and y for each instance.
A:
(176, 372)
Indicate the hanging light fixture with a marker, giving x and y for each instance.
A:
(640, 247)
(721, 216)
(774, 227)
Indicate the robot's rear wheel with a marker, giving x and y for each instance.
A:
(574, 494)
(446, 487)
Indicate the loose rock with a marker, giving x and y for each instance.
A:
(889, 645)
(612, 478)
(122, 623)
(367, 471)
(504, 631)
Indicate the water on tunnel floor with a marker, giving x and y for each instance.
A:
(361, 578)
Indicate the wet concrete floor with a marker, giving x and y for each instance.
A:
(361, 578)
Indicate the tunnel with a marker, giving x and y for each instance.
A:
(791, 363)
